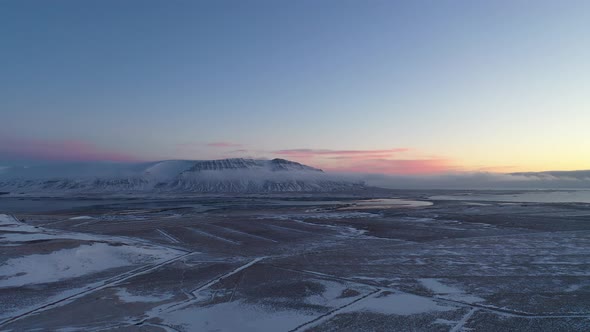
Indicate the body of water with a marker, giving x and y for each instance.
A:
(539, 196)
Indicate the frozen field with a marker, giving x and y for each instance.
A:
(418, 262)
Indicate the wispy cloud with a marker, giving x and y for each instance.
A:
(208, 149)
(57, 150)
(224, 145)
(396, 166)
(496, 169)
(384, 161)
(338, 153)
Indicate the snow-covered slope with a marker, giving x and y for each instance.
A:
(216, 176)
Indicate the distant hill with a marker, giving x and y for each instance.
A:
(565, 175)
(235, 175)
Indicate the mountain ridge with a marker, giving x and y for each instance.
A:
(234, 175)
(577, 174)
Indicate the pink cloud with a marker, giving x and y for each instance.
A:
(496, 169)
(58, 150)
(338, 153)
(396, 166)
(385, 161)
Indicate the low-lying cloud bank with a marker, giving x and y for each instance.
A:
(175, 169)
(542, 180)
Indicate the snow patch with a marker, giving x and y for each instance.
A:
(573, 288)
(76, 262)
(448, 292)
(7, 220)
(398, 304)
(125, 296)
(235, 316)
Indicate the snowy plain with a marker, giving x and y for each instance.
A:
(297, 263)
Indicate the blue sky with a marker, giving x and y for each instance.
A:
(460, 85)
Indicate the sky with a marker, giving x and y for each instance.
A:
(394, 87)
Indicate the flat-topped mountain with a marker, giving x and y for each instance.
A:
(235, 175)
(249, 164)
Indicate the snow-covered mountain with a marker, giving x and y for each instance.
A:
(203, 176)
